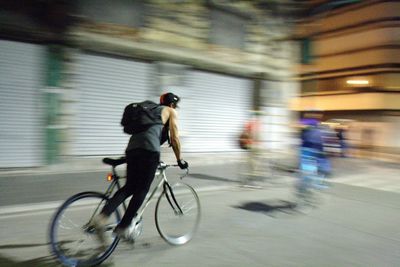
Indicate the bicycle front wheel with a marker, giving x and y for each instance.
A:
(177, 214)
(73, 241)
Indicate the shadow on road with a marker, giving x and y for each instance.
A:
(42, 262)
(270, 209)
(47, 261)
(209, 177)
(12, 246)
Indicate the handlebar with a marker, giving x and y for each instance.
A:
(163, 166)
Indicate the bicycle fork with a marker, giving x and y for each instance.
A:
(171, 199)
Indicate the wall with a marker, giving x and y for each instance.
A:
(176, 32)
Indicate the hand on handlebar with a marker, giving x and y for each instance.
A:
(183, 164)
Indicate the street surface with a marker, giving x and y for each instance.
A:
(349, 226)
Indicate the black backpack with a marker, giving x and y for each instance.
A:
(138, 117)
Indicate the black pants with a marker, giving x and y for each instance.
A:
(141, 168)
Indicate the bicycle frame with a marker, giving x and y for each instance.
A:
(162, 181)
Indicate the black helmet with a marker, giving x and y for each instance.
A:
(168, 98)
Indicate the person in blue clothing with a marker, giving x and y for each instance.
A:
(314, 165)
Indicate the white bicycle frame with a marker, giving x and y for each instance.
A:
(161, 179)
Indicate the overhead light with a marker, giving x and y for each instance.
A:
(357, 82)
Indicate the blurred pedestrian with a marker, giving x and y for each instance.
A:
(249, 141)
(341, 134)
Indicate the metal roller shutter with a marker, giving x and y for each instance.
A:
(105, 85)
(21, 81)
(214, 110)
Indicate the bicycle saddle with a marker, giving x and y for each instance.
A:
(114, 162)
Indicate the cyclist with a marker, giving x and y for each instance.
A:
(142, 158)
(313, 161)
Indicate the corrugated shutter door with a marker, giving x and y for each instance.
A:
(216, 108)
(105, 85)
(21, 79)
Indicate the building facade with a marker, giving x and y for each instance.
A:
(68, 68)
(351, 70)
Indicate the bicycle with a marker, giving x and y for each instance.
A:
(312, 180)
(262, 167)
(73, 239)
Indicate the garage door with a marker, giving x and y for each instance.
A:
(213, 111)
(104, 86)
(21, 117)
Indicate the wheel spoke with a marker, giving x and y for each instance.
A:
(177, 225)
(188, 206)
(66, 221)
(72, 241)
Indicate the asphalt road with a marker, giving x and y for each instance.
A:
(349, 226)
(49, 187)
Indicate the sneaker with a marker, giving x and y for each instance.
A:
(99, 222)
(131, 232)
(122, 233)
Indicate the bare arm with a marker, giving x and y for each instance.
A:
(174, 134)
(171, 115)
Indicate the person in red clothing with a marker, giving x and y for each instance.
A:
(249, 140)
(249, 137)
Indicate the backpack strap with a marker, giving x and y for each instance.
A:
(148, 108)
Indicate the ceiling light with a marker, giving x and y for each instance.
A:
(357, 82)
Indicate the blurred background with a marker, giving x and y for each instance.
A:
(68, 69)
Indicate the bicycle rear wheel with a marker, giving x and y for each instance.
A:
(177, 214)
(72, 239)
